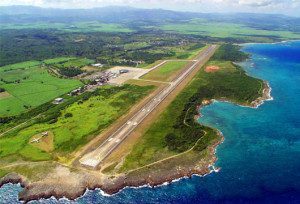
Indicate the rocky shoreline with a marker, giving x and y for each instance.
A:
(64, 183)
(266, 96)
(63, 187)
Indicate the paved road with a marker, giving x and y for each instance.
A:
(94, 158)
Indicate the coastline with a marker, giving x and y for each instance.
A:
(109, 187)
(266, 96)
(265, 43)
(85, 181)
(89, 181)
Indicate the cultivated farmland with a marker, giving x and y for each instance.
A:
(28, 86)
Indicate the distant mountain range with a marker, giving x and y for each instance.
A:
(134, 17)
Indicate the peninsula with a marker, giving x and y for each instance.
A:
(156, 140)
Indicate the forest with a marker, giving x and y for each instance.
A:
(107, 48)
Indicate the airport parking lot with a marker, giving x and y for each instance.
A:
(119, 79)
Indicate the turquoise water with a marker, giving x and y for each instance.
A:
(260, 157)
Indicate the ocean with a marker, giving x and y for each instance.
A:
(260, 157)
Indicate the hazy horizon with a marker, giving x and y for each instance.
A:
(286, 7)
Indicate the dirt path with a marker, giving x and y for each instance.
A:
(23, 163)
(13, 128)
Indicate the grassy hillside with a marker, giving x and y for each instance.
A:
(72, 126)
(176, 130)
(91, 26)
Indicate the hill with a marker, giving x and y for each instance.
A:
(128, 16)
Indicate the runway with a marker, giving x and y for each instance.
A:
(94, 158)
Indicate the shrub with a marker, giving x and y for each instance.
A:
(68, 115)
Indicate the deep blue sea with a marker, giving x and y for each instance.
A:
(260, 157)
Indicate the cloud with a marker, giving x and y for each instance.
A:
(269, 6)
(259, 3)
(256, 2)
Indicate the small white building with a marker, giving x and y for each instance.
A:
(97, 65)
(58, 100)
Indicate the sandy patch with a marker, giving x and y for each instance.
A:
(4, 95)
(209, 69)
(43, 142)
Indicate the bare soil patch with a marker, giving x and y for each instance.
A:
(4, 95)
(43, 141)
(90, 69)
(211, 68)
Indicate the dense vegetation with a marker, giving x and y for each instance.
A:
(107, 48)
(121, 40)
(230, 52)
(176, 130)
(70, 72)
(230, 83)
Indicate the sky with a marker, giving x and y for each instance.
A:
(288, 7)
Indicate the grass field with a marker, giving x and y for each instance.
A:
(58, 60)
(189, 52)
(68, 62)
(225, 30)
(166, 71)
(136, 45)
(92, 26)
(143, 83)
(78, 63)
(2, 173)
(4, 95)
(76, 125)
(184, 52)
(176, 131)
(29, 86)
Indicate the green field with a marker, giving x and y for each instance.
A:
(176, 131)
(189, 52)
(68, 62)
(72, 62)
(29, 86)
(58, 60)
(2, 173)
(136, 45)
(92, 26)
(226, 30)
(166, 71)
(76, 124)
(185, 52)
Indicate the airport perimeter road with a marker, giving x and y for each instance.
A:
(94, 158)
